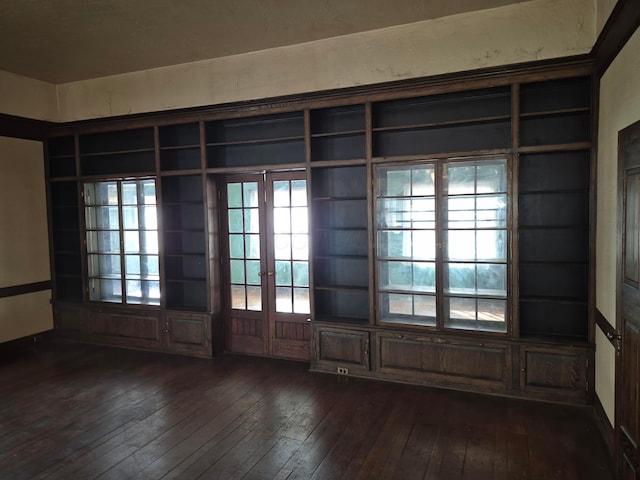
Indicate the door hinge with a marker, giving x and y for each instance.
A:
(616, 340)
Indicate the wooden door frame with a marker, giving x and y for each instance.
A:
(618, 337)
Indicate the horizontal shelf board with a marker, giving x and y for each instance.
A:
(551, 263)
(550, 113)
(57, 179)
(562, 147)
(186, 279)
(337, 199)
(116, 152)
(143, 278)
(341, 257)
(257, 141)
(185, 203)
(542, 192)
(258, 168)
(439, 155)
(62, 157)
(344, 320)
(558, 300)
(341, 229)
(342, 287)
(337, 163)
(420, 126)
(125, 175)
(475, 295)
(178, 173)
(106, 277)
(343, 133)
(181, 147)
(406, 291)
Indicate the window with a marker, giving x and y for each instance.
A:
(122, 241)
(442, 234)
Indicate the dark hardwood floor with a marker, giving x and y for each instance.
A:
(70, 411)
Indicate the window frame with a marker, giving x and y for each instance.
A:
(440, 229)
(123, 276)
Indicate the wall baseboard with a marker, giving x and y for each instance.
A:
(20, 345)
(605, 427)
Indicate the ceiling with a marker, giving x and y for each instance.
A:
(61, 41)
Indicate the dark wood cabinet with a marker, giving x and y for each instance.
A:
(515, 320)
(340, 350)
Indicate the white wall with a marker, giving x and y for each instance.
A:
(24, 244)
(535, 30)
(619, 107)
(26, 97)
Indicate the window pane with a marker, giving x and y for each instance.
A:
(103, 242)
(301, 274)
(491, 177)
(408, 309)
(281, 220)
(236, 246)
(105, 290)
(252, 244)
(281, 194)
(142, 266)
(424, 276)
(460, 278)
(301, 300)
(105, 266)
(492, 311)
(238, 299)
(300, 246)
(129, 193)
(492, 279)
(254, 298)
(422, 181)
(148, 218)
(237, 271)
(250, 190)
(284, 300)
(234, 195)
(462, 309)
(424, 244)
(461, 179)
(253, 270)
(461, 245)
(394, 213)
(299, 193)
(282, 246)
(102, 218)
(394, 244)
(394, 182)
(130, 217)
(491, 245)
(103, 193)
(251, 220)
(299, 220)
(283, 273)
(235, 221)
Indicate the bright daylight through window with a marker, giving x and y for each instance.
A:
(122, 241)
(442, 244)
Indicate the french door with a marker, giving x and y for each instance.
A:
(266, 264)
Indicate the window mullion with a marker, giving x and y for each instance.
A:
(121, 231)
(440, 243)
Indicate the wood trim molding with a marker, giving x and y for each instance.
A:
(12, 347)
(24, 289)
(608, 329)
(21, 127)
(621, 25)
(605, 427)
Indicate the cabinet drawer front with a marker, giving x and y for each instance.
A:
(342, 347)
(125, 329)
(560, 372)
(445, 361)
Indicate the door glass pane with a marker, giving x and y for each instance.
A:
(234, 195)
(284, 300)
(244, 245)
(281, 194)
(291, 242)
(254, 298)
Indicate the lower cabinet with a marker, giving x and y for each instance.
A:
(517, 368)
(341, 351)
(159, 330)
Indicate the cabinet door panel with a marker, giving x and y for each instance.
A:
(337, 347)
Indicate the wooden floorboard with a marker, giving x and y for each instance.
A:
(73, 411)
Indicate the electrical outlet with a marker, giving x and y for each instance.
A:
(343, 371)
